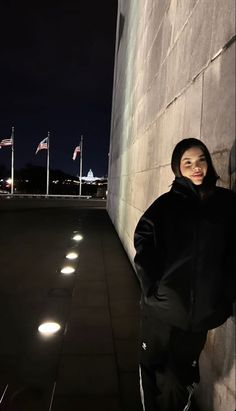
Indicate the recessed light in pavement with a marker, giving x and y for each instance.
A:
(67, 270)
(77, 237)
(49, 328)
(72, 256)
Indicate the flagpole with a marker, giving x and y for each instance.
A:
(81, 165)
(47, 190)
(12, 161)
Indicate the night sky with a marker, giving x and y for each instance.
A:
(56, 63)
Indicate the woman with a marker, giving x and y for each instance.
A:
(185, 262)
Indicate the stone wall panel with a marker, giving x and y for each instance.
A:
(193, 109)
(160, 8)
(161, 88)
(151, 103)
(154, 58)
(178, 67)
(218, 123)
(157, 14)
(223, 24)
(140, 196)
(170, 130)
(200, 27)
(141, 117)
(152, 187)
(167, 35)
(181, 13)
(166, 178)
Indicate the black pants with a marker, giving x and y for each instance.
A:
(169, 370)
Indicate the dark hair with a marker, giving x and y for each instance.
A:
(185, 144)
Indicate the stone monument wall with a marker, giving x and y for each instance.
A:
(174, 77)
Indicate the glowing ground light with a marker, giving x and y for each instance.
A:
(72, 256)
(77, 237)
(67, 270)
(49, 328)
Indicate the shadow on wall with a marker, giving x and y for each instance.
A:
(121, 28)
(232, 173)
(220, 367)
(219, 352)
(232, 167)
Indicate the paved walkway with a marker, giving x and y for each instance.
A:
(92, 364)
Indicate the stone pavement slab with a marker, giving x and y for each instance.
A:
(92, 363)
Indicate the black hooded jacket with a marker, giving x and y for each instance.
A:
(185, 256)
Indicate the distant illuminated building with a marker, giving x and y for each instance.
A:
(90, 177)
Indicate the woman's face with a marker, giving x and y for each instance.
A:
(193, 165)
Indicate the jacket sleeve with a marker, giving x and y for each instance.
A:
(145, 259)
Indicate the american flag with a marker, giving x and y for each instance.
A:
(6, 142)
(43, 145)
(76, 151)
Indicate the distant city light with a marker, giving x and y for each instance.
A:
(72, 256)
(49, 328)
(78, 237)
(68, 270)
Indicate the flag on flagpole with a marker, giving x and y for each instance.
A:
(43, 145)
(76, 151)
(6, 142)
